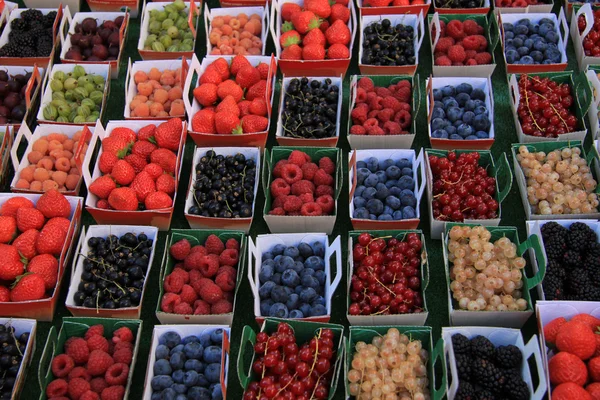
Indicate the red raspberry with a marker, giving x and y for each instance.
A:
(359, 114)
(375, 130)
(373, 114)
(182, 272)
(291, 173)
(225, 281)
(57, 388)
(232, 244)
(98, 384)
(99, 362)
(79, 372)
(229, 257)
(444, 44)
(483, 58)
(470, 27)
(323, 178)
(198, 249)
(209, 265)
(404, 118)
(471, 61)
(277, 211)
(292, 203)
(307, 197)
(227, 269)
(117, 374)
(385, 115)
(221, 307)
(302, 187)
(366, 83)
(403, 94)
(123, 334)
(471, 43)
(89, 395)
(113, 393)
(214, 245)
(455, 29)
(392, 128)
(62, 365)
(94, 330)
(311, 210)
(299, 158)
(123, 355)
(173, 283)
(470, 53)
(390, 102)
(182, 309)
(77, 387)
(97, 342)
(188, 294)
(358, 130)
(322, 190)
(280, 187)
(327, 204)
(180, 250)
(123, 345)
(278, 168)
(78, 350)
(169, 301)
(193, 260)
(194, 276)
(327, 165)
(370, 96)
(456, 53)
(208, 290)
(483, 43)
(361, 95)
(375, 103)
(278, 202)
(201, 307)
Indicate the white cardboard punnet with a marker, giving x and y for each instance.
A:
(594, 108)
(16, 13)
(22, 325)
(536, 8)
(587, 13)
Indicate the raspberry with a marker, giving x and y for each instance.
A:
(89, 395)
(198, 249)
(390, 102)
(278, 202)
(323, 190)
(77, 387)
(483, 43)
(366, 83)
(382, 91)
(358, 130)
(292, 203)
(123, 345)
(117, 374)
(169, 301)
(278, 168)
(181, 272)
(302, 187)
(307, 197)
(322, 178)
(229, 257)
(277, 211)
(291, 173)
(79, 372)
(97, 342)
(470, 27)
(327, 204)
(375, 130)
(225, 281)
(227, 269)
(403, 94)
(232, 244)
(62, 365)
(174, 283)
(99, 362)
(188, 294)
(201, 307)
(209, 265)
(214, 245)
(194, 276)
(483, 58)
(327, 165)
(221, 307)
(392, 128)
(180, 250)
(193, 261)
(361, 95)
(375, 103)
(123, 334)
(456, 53)
(207, 290)
(471, 43)
(94, 330)
(455, 29)
(471, 61)
(299, 158)
(123, 355)
(359, 114)
(279, 187)
(404, 118)
(113, 393)
(311, 209)
(183, 309)
(444, 44)
(470, 53)
(373, 114)
(385, 115)
(57, 388)
(98, 384)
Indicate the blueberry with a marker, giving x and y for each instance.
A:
(385, 164)
(371, 181)
(202, 381)
(397, 215)
(439, 134)
(393, 172)
(216, 335)
(205, 339)
(305, 308)
(518, 41)
(537, 56)
(161, 382)
(181, 396)
(465, 130)
(321, 277)
(408, 212)
(438, 112)
(545, 28)
(404, 163)
(528, 43)
(509, 35)
(310, 282)
(179, 389)
(265, 306)
(437, 94)
(523, 51)
(552, 37)
(406, 182)
(470, 105)
(393, 202)
(176, 349)
(162, 367)
(462, 99)
(454, 114)
(318, 249)
(318, 310)
(375, 206)
(305, 249)
(468, 117)
(267, 256)
(293, 301)
(478, 94)
(193, 350)
(521, 29)
(357, 193)
(307, 271)
(156, 396)
(212, 354)
(213, 372)
(278, 310)
(278, 249)
(216, 392)
(279, 294)
(408, 200)
(449, 102)
(407, 171)
(190, 378)
(360, 213)
(481, 123)
(395, 191)
(170, 339)
(315, 263)
(265, 290)
(438, 123)
(198, 393)
(464, 88)
(361, 164)
(307, 295)
(168, 394)
(195, 365)
(359, 202)
(456, 137)
(178, 375)
(177, 360)
(507, 27)
(448, 90)
(296, 314)
(451, 130)
(540, 45)
(387, 210)
(161, 352)
(285, 262)
(369, 193)
(291, 251)
(382, 191)
(372, 164)
(480, 110)
(290, 278)
(482, 135)
(381, 176)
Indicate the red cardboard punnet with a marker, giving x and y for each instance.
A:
(131, 6)
(31, 93)
(391, 9)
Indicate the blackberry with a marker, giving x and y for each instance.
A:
(553, 284)
(487, 375)
(485, 395)
(461, 344)
(516, 389)
(18, 25)
(553, 229)
(580, 236)
(28, 52)
(9, 50)
(578, 281)
(24, 40)
(573, 258)
(44, 48)
(32, 16)
(465, 391)
(49, 19)
(463, 366)
(482, 347)
(508, 356)
(555, 248)
(592, 257)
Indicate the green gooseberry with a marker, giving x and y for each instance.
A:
(173, 16)
(98, 79)
(173, 32)
(186, 47)
(78, 71)
(188, 35)
(58, 95)
(83, 111)
(188, 42)
(79, 119)
(167, 23)
(69, 96)
(60, 75)
(82, 80)
(166, 41)
(70, 83)
(150, 39)
(64, 110)
(154, 27)
(89, 103)
(179, 4)
(91, 118)
(90, 87)
(96, 96)
(173, 48)
(158, 46)
(182, 24)
(80, 93)
(62, 119)
(56, 85)
(169, 8)
(50, 113)
(160, 15)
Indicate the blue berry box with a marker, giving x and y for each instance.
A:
(418, 24)
(593, 112)
(403, 192)
(499, 337)
(260, 273)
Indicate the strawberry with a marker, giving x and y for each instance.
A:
(166, 183)
(123, 133)
(147, 133)
(8, 229)
(313, 52)
(338, 51)
(204, 122)
(238, 62)
(289, 9)
(28, 287)
(107, 161)
(338, 33)
(123, 173)
(211, 75)
(9, 207)
(314, 36)
(165, 158)
(142, 148)
(51, 239)
(254, 123)
(116, 145)
(143, 185)
(263, 69)
(576, 338)
(289, 38)
(566, 367)
(594, 369)
(29, 218)
(137, 162)
(287, 26)
(222, 66)
(154, 170)
(206, 94)
(258, 106)
(230, 88)
(244, 106)
(102, 186)
(305, 21)
(259, 89)
(157, 201)
(551, 329)
(247, 76)
(12, 264)
(123, 199)
(294, 52)
(587, 319)
(46, 266)
(324, 26)
(340, 12)
(228, 105)
(54, 204)
(168, 134)
(225, 122)
(321, 8)
(25, 243)
(4, 294)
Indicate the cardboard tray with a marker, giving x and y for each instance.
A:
(6, 143)
(19, 164)
(168, 263)
(32, 94)
(499, 337)
(508, 319)
(325, 67)
(238, 224)
(183, 331)
(21, 326)
(416, 319)
(83, 249)
(593, 112)
(537, 8)
(286, 223)
(411, 9)
(304, 331)
(418, 172)
(130, 6)
(385, 141)
(8, 6)
(96, 69)
(159, 218)
(267, 242)
(586, 11)
(500, 169)
(323, 142)
(577, 108)
(192, 106)
(418, 24)
(484, 9)
(490, 27)
(422, 333)
(73, 326)
(484, 84)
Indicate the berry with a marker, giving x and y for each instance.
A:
(117, 374)
(576, 338)
(62, 365)
(566, 367)
(78, 350)
(99, 362)
(398, 37)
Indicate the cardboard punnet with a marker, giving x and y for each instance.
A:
(21, 326)
(508, 319)
(593, 112)
(587, 12)
(130, 6)
(422, 333)
(547, 147)
(265, 243)
(325, 67)
(418, 168)
(544, 6)
(484, 84)
(146, 66)
(262, 12)
(83, 249)
(300, 224)
(196, 236)
(72, 4)
(96, 69)
(499, 337)
(392, 319)
(483, 10)
(391, 9)
(577, 108)
(280, 134)
(43, 309)
(418, 24)
(32, 90)
(76, 326)
(203, 139)
(238, 224)
(385, 141)
(194, 8)
(159, 218)
(563, 38)
(304, 332)
(8, 6)
(499, 170)
(183, 331)
(490, 29)
(19, 164)
(6, 144)
(78, 17)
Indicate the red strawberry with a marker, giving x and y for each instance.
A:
(211, 75)
(338, 33)
(123, 133)
(222, 66)
(52, 239)
(25, 243)
(258, 106)
(29, 218)
(226, 123)
(314, 36)
(254, 123)
(116, 145)
(204, 122)
(102, 186)
(338, 51)
(143, 185)
(340, 12)
(136, 161)
(289, 38)
(8, 229)
(228, 105)
(123, 173)
(165, 158)
(313, 52)
(263, 69)
(4, 294)
(238, 62)
(107, 161)
(123, 199)
(321, 8)
(147, 133)
(12, 265)
(54, 204)
(206, 94)
(247, 76)
(168, 134)
(9, 207)
(305, 21)
(46, 266)
(294, 52)
(28, 287)
(230, 88)
(166, 183)
(289, 9)
(259, 89)
(158, 200)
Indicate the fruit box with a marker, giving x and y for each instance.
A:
(96, 69)
(594, 99)
(72, 4)
(6, 143)
(418, 24)
(422, 333)
(563, 39)
(484, 9)
(158, 218)
(267, 242)
(418, 172)
(385, 141)
(577, 108)
(286, 223)
(43, 309)
(544, 7)
(484, 84)
(76, 327)
(391, 9)
(194, 9)
(83, 248)
(304, 331)
(130, 6)
(71, 21)
(499, 337)
(416, 319)
(145, 66)
(238, 224)
(326, 67)
(299, 141)
(183, 331)
(40, 62)
(32, 90)
(547, 147)
(8, 6)
(507, 319)
(587, 12)
(197, 236)
(261, 11)
(490, 27)
(499, 170)
(21, 326)
(192, 106)
(19, 164)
